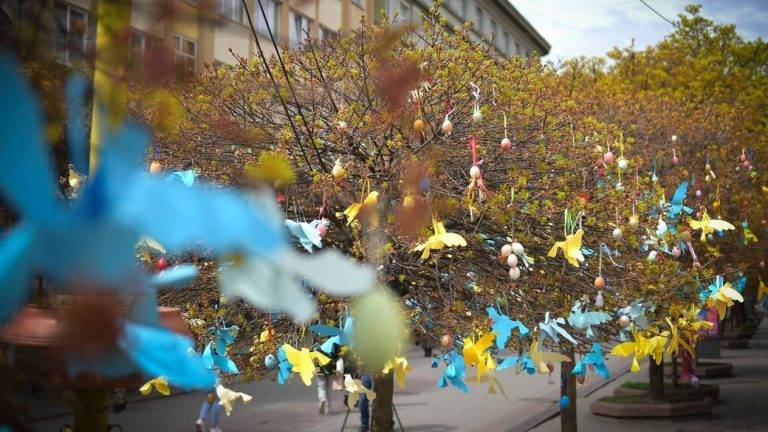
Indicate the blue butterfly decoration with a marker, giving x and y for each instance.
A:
(215, 353)
(595, 359)
(336, 336)
(454, 373)
(676, 204)
(550, 327)
(739, 284)
(307, 233)
(522, 362)
(503, 327)
(186, 177)
(284, 366)
(712, 289)
(584, 319)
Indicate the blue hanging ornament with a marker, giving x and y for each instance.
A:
(565, 402)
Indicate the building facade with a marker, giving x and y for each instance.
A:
(199, 32)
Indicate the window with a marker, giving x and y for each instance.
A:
(358, 2)
(299, 30)
(505, 43)
(184, 53)
(232, 9)
(494, 28)
(517, 48)
(404, 14)
(270, 10)
(327, 34)
(463, 8)
(70, 35)
(479, 20)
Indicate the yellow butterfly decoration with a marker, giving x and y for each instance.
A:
(227, 398)
(303, 362)
(367, 201)
(724, 298)
(749, 236)
(476, 353)
(493, 383)
(675, 341)
(401, 368)
(160, 384)
(439, 240)
(762, 290)
(541, 358)
(708, 225)
(571, 247)
(641, 347)
(355, 388)
(690, 320)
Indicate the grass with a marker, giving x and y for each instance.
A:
(629, 400)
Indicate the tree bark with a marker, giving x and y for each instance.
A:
(91, 408)
(656, 380)
(381, 415)
(674, 370)
(568, 419)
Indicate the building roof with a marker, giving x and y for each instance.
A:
(507, 7)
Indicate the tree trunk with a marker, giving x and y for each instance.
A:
(674, 370)
(656, 380)
(381, 415)
(568, 420)
(91, 408)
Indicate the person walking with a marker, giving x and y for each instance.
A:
(210, 408)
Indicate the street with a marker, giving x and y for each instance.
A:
(422, 406)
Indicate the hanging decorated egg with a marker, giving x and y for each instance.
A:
(622, 163)
(673, 138)
(654, 178)
(474, 172)
(599, 301)
(338, 170)
(708, 167)
(652, 256)
(322, 230)
(447, 127)
(599, 283)
(477, 116)
(609, 157)
(162, 264)
(745, 164)
(518, 248)
(624, 321)
(762, 264)
(565, 402)
(617, 233)
(506, 250)
(676, 252)
(514, 272)
(155, 167)
(342, 125)
(446, 341)
(506, 144)
(270, 361)
(418, 126)
(743, 156)
(698, 193)
(675, 160)
(512, 260)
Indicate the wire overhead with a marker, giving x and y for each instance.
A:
(658, 13)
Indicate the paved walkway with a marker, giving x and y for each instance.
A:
(743, 404)
(422, 406)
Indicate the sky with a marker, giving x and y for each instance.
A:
(592, 27)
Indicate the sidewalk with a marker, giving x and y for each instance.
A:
(422, 406)
(742, 405)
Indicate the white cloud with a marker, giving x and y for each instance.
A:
(592, 27)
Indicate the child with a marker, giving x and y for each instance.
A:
(210, 407)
